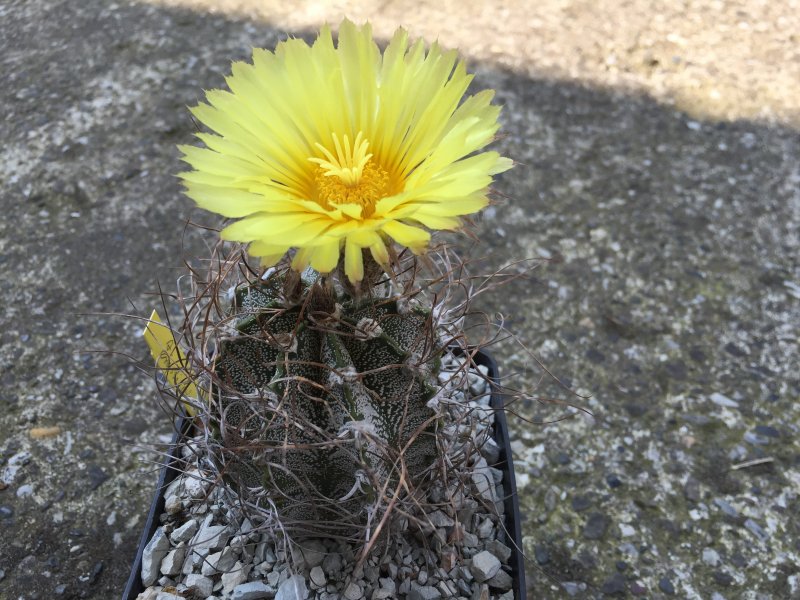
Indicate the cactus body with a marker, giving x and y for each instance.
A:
(323, 399)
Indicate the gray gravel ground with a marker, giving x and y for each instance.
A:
(672, 295)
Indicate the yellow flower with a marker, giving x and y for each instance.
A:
(339, 147)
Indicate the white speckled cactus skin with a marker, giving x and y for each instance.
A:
(323, 398)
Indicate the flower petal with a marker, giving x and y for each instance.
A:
(267, 253)
(353, 264)
(435, 222)
(294, 229)
(416, 160)
(380, 253)
(406, 235)
(325, 257)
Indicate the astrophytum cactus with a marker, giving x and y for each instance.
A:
(322, 397)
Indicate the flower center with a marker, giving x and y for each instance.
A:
(350, 176)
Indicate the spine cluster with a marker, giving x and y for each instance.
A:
(320, 399)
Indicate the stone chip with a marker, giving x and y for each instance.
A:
(185, 532)
(485, 565)
(203, 586)
(153, 554)
(294, 588)
(253, 590)
(317, 576)
(501, 580)
(173, 561)
(423, 592)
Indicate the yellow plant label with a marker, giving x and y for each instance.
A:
(170, 359)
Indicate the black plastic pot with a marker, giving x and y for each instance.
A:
(168, 472)
(506, 464)
(512, 519)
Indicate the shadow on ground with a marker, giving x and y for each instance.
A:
(670, 296)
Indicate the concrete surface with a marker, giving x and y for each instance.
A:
(659, 170)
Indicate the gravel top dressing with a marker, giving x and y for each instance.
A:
(205, 547)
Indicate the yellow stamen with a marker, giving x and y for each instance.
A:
(350, 176)
(373, 186)
(348, 163)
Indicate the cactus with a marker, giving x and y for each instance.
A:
(321, 402)
(321, 397)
